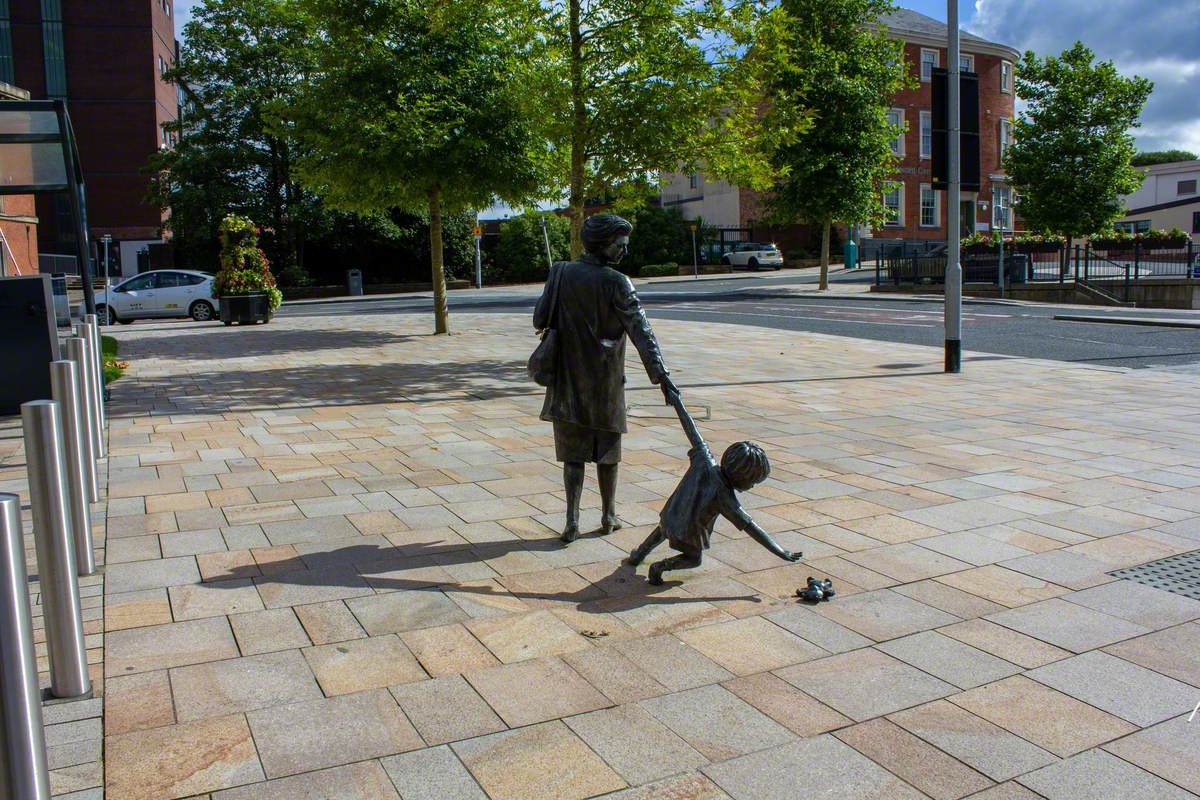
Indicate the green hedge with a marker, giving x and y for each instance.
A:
(658, 270)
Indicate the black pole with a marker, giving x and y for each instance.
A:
(74, 194)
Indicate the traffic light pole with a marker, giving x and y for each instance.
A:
(953, 282)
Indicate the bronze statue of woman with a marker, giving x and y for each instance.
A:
(596, 309)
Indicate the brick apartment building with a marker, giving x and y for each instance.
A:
(918, 212)
(18, 217)
(106, 58)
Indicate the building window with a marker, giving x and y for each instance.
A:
(54, 53)
(694, 180)
(895, 117)
(929, 60)
(166, 4)
(1002, 208)
(966, 63)
(1005, 137)
(1136, 226)
(6, 59)
(926, 134)
(929, 207)
(894, 202)
(1187, 187)
(1196, 222)
(1006, 77)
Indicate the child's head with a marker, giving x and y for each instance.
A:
(745, 464)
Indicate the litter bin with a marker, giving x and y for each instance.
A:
(850, 254)
(354, 286)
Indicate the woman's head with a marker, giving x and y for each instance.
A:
(607, 235)
(745, 465)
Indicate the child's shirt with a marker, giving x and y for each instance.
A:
(688, 517)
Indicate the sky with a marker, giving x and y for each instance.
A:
(1156, 39)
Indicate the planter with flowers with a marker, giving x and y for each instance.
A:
(244, 283)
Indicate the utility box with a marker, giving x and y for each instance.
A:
(28, 340)
(850, 254)
(354, 284)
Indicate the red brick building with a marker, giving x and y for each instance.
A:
(918, 213)
(106, 58)
(18, 218)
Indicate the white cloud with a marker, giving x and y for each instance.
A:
(1156, 39)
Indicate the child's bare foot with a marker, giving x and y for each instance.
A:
(610, 523)
(569, 534)
(656, 571)
(634, 559)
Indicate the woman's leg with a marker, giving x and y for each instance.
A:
(642, 550)
(607, 475)
(573, 483)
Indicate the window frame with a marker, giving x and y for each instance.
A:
(1006, 70)
(694, 180)
(899, 152)
(1004, 142)
(898, 222)
(152, 277)
(1179, 192)
(937, 210)
(1007, 224)
(937, 62)
(969, 58)
(1196, 222)
(925, 121)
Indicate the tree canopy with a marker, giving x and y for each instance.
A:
(418, 105)
(1070, 158)
(834, 59)
(1151, 157)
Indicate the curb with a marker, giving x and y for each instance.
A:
(1160, 322)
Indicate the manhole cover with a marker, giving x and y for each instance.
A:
(1178, 574)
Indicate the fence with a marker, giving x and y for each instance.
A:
(1119, 271)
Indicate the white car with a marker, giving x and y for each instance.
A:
(157, 294)
(753, 255)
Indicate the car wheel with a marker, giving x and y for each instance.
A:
(753, 263)
(725, 260)
(106, 315)
(201, 311)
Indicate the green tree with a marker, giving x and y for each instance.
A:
(833, 57)
(660, 235)
(1152, 157)
(419, 105)
(520, 255)
(238, 57)
(635, 87)
(1071, 153)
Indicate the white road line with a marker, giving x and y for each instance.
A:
(786, 316)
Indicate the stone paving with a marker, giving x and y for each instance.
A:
(332, 572)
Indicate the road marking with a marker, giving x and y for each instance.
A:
(786, 316)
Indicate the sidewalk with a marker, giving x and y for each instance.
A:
(332, 571)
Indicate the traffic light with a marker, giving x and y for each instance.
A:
(969, 122)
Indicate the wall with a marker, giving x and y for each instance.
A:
(1180, 216)
(1162, 184)
(716, 202)
(18, 223)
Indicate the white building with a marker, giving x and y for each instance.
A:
(1168, 198)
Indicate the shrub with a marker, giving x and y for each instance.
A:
(660, 235)
(520, 254)
(244, 266)
(659, 270)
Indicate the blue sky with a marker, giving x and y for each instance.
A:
(1152, 38)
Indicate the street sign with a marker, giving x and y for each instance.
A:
(477, 231)
(693, 227)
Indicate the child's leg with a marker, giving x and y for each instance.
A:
(642, 550)
(681, 561)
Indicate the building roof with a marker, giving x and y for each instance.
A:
(1171, 167)
(911, 25)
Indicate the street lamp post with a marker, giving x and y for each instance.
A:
(1000, 212)
(107, 240)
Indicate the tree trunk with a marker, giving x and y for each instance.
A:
(441, 314)
(825, 229)
(578, 133)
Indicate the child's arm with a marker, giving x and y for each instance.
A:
(764, 538)
(685, 419)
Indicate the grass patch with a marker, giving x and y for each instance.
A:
(113, 368)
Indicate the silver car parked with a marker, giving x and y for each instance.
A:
(161, 293)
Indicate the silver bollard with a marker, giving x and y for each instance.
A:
(65, 389)
(94, 321)
(23, 767)
(76, 351)
(86, 332)
(55, 546)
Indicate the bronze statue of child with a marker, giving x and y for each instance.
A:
(707, 489)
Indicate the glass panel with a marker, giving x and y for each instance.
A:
(28, 122)
(6, 59)
(32, 165)
(139, 283)
(171, 280)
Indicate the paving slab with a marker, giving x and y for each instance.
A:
(919, 764)
(884, 614)
(749, 646)
(434, 773)
(446, 709)
(1097, 774)
(1170, 750)
(800, 713)
(219, 688)
(560, 691)
(361, 664)
(716, 722)
(636, 745)
(867, 683)
(171, 645)
(365, 780)
(1067, 625)
(1174, 652)
(949, 659)
(1119, 687)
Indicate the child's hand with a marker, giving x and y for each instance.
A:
(790, 556)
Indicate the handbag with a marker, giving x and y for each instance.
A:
(544, 360)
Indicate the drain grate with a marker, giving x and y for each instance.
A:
(1178, 574)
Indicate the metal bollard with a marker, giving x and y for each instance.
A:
(23, 767)
(76, 352)
(94, 389)
(65, 388)
(94, 321)
(55, 549)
